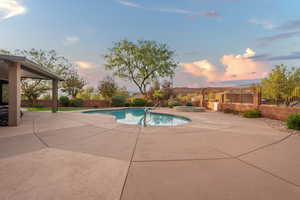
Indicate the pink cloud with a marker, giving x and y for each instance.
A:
(203, 68)
(234, 67)
(242, 67)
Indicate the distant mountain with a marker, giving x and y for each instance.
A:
(237, 83)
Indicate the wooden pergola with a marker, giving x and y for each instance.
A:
(15, 68)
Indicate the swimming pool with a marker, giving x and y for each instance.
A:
(136, 116)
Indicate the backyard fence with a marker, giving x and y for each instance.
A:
(48, 103)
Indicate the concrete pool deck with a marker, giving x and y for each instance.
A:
(70, 155)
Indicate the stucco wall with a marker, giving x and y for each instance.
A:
(48, 103)
(269, 111)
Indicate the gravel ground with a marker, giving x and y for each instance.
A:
(280, 125)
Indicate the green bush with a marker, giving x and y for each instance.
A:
(64, 101)
(138, 102)
(76, 102)
(173, 103)
(189, 104)
(118, 101)
(39, 105)
(228, 110)
(150, 103)
(252, 114)
(293, 121)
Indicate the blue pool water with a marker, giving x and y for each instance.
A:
(136, 116)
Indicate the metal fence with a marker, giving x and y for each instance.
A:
(280, 95)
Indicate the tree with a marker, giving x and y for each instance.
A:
(73, 84)
(155, 86)
(281, 84)
(108, 88)
(33, 90)
(158, 95)
(122, 92)
(141, 62)
(86, 94)
(50, 60)
(167, 89)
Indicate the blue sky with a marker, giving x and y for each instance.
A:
(214, 40)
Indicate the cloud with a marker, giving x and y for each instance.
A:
(90, 71)
(234, 67)
(129, 4)
(184, 79)
(290, 25)
(211, 14)
(203, 68)
(85, 64)
(174, 10)
(242, 67)
(264, 41)
(94, 72)
(266, 57)
(69, 40)
(264, 23)
(11, 8)
(292, 56)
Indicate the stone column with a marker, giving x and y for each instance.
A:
(54, 95)
(14, 93)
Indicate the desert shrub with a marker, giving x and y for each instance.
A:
(76, 102)
(189, 104)
(118, 101)
(150, 103)
(293, 121)
(64, 101)
(138, 102)
(228, 111)
(235, 112)
(252, 114)
(173, 103)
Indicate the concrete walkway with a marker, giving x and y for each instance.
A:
(70, 155)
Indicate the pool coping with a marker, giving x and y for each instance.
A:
(124, 108)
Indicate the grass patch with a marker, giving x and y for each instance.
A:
(59, 109)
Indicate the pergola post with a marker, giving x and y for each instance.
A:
(54, 95)
(1, 93)
(14, 93)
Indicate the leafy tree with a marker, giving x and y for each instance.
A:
(86, 94)
(33, 90)
(158, 95)
(73, 84)
(122, 92)
(108, 88)
(281, 84)
(141, 62)
(155, 86)
(50, 60)
(97, 96)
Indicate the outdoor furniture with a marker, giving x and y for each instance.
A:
(3, 115)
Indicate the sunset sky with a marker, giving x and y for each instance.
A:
(217, 42)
